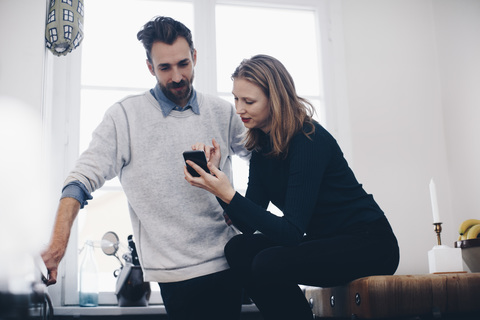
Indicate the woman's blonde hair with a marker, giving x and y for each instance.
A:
(288, 111)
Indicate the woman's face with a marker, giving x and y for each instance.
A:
(251, 104)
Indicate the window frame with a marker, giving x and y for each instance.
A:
(63, 75)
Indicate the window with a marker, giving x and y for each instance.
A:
(67, 32)
(53, 35)
(80, 8)
(67, 15)
(114, 68)
(51, 17)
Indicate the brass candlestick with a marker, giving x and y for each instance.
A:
(438, 230)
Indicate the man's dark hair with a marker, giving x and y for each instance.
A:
(163, 29)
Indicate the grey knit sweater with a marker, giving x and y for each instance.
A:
(179, 229)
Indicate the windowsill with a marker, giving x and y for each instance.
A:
(118, 311)
(107, 310)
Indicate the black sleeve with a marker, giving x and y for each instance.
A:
(308, 162)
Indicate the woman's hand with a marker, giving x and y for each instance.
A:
(213, 154)
(216, 183)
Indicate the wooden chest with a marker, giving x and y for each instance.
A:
(396, 296)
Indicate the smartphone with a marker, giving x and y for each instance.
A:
(197, 156)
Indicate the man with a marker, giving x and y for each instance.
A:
(180, 231)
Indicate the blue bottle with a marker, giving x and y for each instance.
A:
(88, 278)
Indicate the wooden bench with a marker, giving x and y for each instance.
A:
(397, 296)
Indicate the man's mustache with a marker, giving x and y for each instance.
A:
(175, 85)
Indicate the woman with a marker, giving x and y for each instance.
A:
(331, 231)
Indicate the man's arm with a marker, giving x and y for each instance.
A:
(68, 209)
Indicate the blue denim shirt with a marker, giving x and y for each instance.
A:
(167, 105)
(78, 191)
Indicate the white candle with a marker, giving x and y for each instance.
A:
(433, 198)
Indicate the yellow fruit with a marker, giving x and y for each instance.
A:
(473, 232)
(464, 235)
(466, 225)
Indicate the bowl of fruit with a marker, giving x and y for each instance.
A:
(469, 242)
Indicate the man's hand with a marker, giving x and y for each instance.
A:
(213, 154)
(66, 214)
(52, 267)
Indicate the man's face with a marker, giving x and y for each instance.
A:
(173, 66)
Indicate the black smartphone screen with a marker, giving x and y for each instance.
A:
(197, 156)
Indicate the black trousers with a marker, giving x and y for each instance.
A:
(216, 296)
(271, 273)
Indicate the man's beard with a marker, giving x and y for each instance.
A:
(178, 97)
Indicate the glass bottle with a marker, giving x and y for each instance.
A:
(88, 278)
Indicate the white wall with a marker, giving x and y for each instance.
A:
(23, 214)
(22, 26)
(408, 108)
(458, 29)
(411, 68)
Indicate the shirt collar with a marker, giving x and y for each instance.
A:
(167, 105)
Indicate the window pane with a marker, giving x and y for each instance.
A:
(107, 212)
(111, 53)
(95, 101)
(288, 35)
